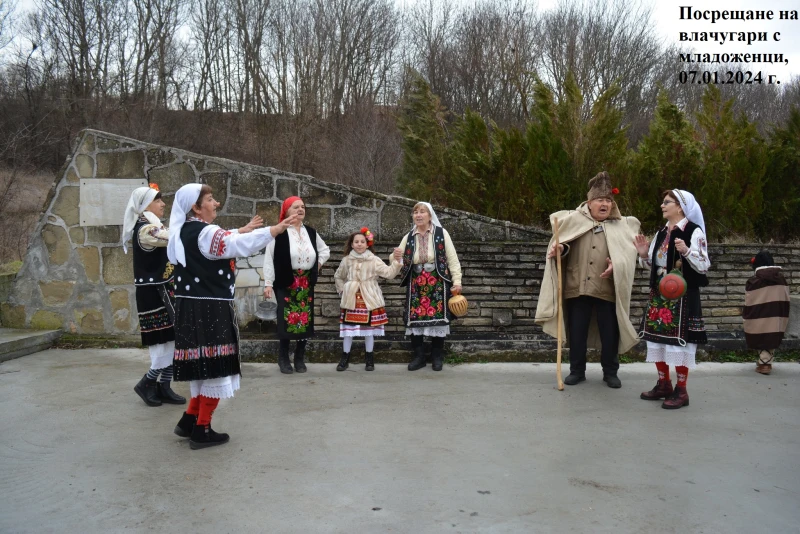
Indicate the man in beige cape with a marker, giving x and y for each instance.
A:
(598, 264)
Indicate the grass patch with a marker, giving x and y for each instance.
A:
(453, 359)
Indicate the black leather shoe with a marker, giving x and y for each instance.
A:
(185, 425)
(204, 436)
(344, 363)
(574, 378)
(147, 389)
(168, 396)
(613, 381)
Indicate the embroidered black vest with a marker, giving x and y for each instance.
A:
(283, 259)
(204, 279)
(150, 267)
(694, 279)
(440, 256)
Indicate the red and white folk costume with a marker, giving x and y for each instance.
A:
(206, 332)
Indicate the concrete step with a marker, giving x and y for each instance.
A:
(17, 342)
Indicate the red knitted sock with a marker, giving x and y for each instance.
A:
(194, 406)
(683, 373)
(663, 370)
(207, 407)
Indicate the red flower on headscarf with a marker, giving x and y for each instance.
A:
(615, 191)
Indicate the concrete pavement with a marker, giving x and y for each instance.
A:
(475, 448)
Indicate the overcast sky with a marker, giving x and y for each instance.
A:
(668, 25)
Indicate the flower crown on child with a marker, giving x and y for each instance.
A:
(368, 235)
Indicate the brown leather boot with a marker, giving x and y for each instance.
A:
(662, 390)
(679, 399)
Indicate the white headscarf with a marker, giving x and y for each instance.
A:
(691, 209)
(434, 218)
(181, 206)
(140, 199)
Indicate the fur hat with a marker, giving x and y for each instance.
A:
(600, 187)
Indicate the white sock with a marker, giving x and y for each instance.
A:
(369, 343)
(348, 344)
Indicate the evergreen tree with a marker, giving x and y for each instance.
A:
(781, 186)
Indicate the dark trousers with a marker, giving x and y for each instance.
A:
(579, 314)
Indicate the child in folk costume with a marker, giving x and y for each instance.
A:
(363, 312)
(155, 298)
(766, 310)
(206, 333)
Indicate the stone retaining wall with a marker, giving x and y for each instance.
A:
(78, 278)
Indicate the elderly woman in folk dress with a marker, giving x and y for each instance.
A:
(432, 275)
(291, 266)
(206, 333)
(674, 328)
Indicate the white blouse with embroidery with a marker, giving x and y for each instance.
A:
(217, 243)
(697, 255)
(301, 251)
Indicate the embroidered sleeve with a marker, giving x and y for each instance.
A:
(216, 243)
(152, 236)
(698, 252)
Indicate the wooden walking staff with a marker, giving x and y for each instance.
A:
(559, 318)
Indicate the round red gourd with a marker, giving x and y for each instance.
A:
(672, 286)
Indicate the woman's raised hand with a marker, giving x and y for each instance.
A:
(255, 222)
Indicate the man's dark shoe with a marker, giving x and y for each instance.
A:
(574, 378)
(613, 381)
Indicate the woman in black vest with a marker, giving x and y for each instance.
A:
(674, 328)
(206, 333)
(155, 298)
(431, 274)
(291, 266)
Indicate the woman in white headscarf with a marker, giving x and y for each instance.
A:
(206, 333)
(155, 298)
(674, 328)
(431, 274)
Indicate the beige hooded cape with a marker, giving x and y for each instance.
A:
(620, 232)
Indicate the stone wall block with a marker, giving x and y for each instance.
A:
(90, 321)
(248, 278)
(349, 220)
(157, 157)
(90, 260)
(286, 188)
(47, 320)
(239, 206)
(172, 177)
(85, 166)
(395, 222)
(121, 309)
(56, 293)
(320, 220)
(251, 184)
(104, 143)
(230, 222)
(117, 267)
(66, 205)
(128, 164)
(57, 243)
(269, 211)
(360, 201)
(77, 235)
(103, 234)
(313, 195)
(88, 145)
(72, 176)
(12, 315)
(502, 318)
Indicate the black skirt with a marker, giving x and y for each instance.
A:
(206, 340)
(155, 305)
